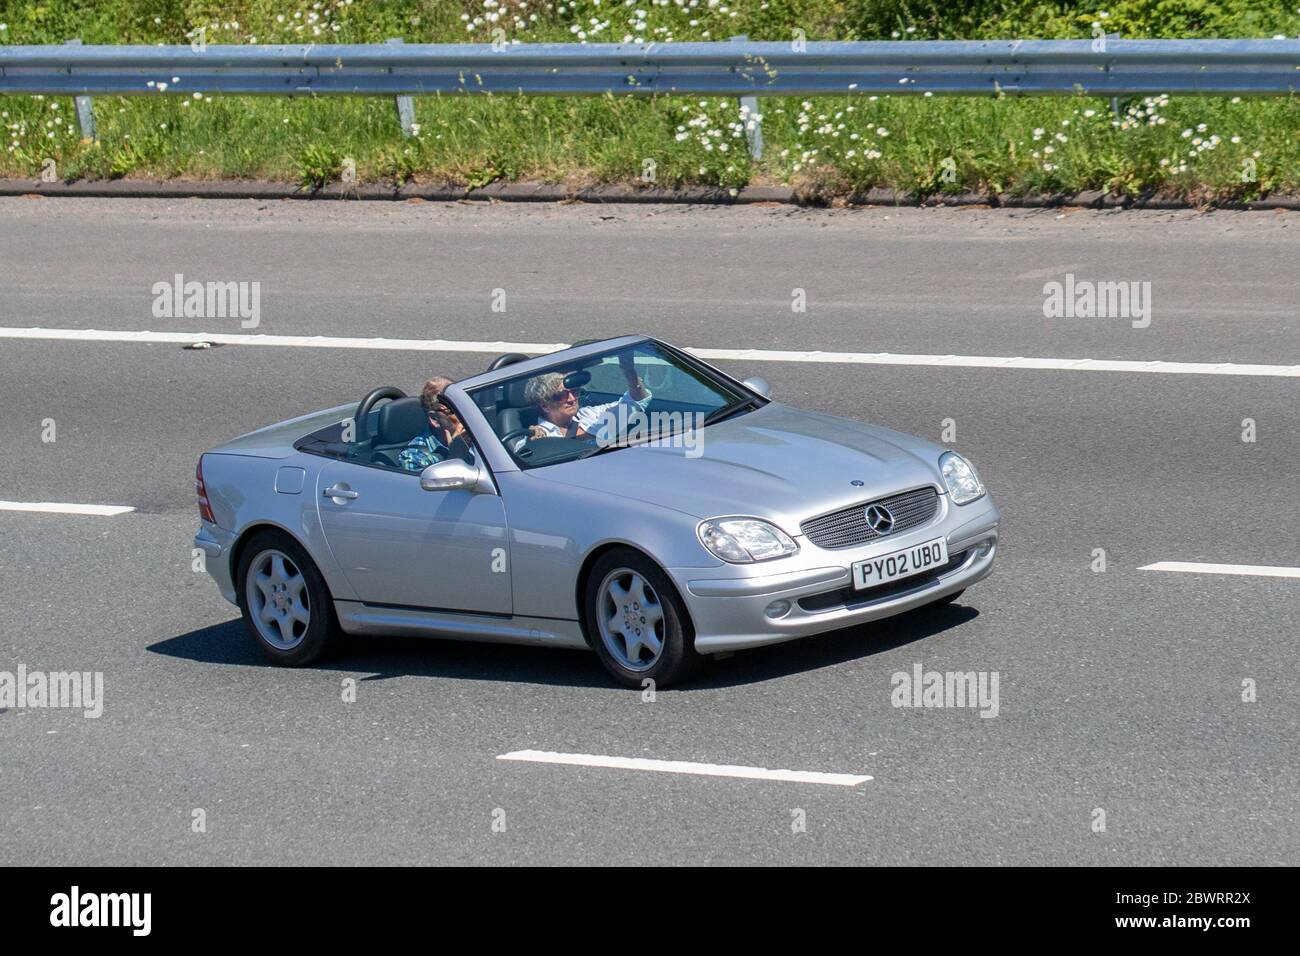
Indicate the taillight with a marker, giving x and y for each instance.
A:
(205, 509)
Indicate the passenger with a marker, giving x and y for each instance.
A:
(559, 415)
(444, 435)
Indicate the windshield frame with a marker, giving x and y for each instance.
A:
(465, 392)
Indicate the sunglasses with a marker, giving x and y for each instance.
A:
(554, 396)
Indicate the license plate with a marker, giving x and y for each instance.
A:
(900, 564)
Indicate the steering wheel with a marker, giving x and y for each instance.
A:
(511, 435)
(373, 397)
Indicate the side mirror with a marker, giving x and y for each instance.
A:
(758, 385)
(450, 475)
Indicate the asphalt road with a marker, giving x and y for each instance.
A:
(1119, 691)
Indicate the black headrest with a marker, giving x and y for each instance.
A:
(510, 358)
(401, 420)
(515, 394)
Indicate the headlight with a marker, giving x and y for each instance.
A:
(963, 484)
(744, 540)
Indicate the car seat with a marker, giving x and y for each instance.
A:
(399, 422)
(514, 412)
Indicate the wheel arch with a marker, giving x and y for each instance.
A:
(247, 535)
(584, 572)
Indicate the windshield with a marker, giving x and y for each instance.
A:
(605, 402)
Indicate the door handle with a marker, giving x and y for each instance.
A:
(338, 491)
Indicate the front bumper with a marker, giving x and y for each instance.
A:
(730, 610)
(215, 544)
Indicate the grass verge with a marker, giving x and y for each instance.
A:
(1194, 148)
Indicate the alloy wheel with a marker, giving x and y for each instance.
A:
(630, 619)
(278, 600)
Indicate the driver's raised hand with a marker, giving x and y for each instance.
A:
(635, 386)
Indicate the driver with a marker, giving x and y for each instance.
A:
(559, 415)
(444, 434)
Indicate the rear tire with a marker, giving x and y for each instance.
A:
(285, 602)
(636, 622)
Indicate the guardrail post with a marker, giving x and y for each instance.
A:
(1114, 100)
(751, 118)
(405, 107)
(85, 110)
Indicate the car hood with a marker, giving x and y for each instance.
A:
(777, 462)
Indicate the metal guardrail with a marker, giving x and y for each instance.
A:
(736, 68)
(1102, 67)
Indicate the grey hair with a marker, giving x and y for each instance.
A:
(542, 387)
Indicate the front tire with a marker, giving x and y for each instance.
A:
(285, 602)
(636, 621)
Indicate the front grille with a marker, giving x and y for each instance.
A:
(848, 527)
(850, 597)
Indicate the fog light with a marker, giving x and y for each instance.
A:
(984, 548)
(777, 609)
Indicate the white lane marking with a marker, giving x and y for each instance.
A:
(293, 341)
(1049, 273)
(1199, 567)
(65, 508)
(743, 355)
(681, 766)
(1000, 361)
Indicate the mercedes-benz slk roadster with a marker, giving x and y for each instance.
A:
(621, 496)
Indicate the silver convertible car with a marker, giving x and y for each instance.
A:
(620, 495)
